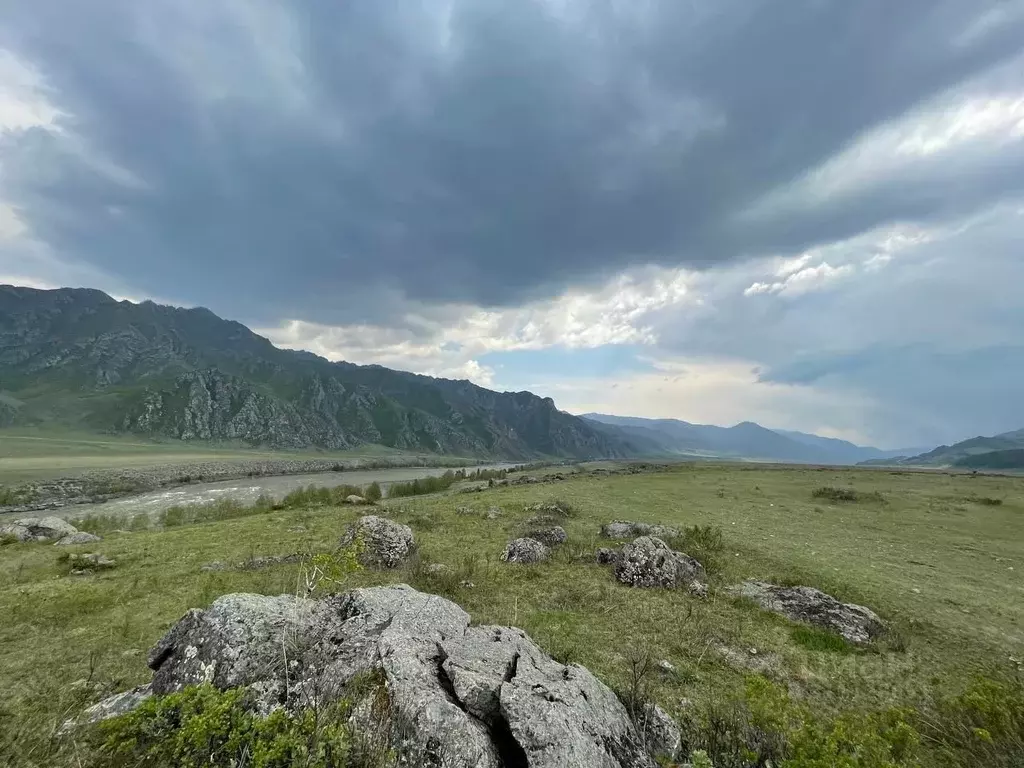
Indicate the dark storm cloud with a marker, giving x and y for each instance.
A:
(313, 160)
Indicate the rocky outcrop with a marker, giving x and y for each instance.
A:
(459, 696)
(381, 543)
(650, 562)
(812, 606)
(624, 529)
(38, 529)
(525, 551)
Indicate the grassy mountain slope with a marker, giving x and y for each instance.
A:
(1001, 451)
(80, 358)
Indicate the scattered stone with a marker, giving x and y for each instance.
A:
(466, 583)
(85, 563)
(667, 667)
(767, 664)
(216, 565)
(855, 623)
(78, 538)
(493, 513)
(383, 543)
(436, 568)
(606, 556)
(525, 551)
(298, 529)
(551, 537)
(353, 499)
(265, 561)
(464, 511)
(548, 510)
(458, 696)
(649, 562)
(113, 706)
(624, 529)
(38, 529)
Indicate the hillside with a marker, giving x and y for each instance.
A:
(744, 440)
(79, 358)
(1002, 451)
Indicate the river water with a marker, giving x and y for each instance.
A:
(247, 490)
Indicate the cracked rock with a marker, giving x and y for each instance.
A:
(650, 562)
(383, 543)
(459, 696)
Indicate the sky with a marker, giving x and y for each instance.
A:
(805, 213)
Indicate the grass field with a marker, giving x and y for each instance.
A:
(939, 556)
(32, 455)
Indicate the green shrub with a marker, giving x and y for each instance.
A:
(832, 493)
(766, 727)
(425, 485)
(201, 727)
(983, 726)
(814, 639)
(373, 492)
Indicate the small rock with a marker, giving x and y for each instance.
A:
(436, 568)
(525, 551)
(551, 537)
(493, 513)
(90, 561)
(118, 704)
(649, 562)
(667, 667)
(383, 543)
(855, 623)
(78, 538)
(625, 529)
(38, 529)
(464, 511)
(298, 529)
(353, 499)
(467, 584)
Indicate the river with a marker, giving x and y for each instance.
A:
(247, 490)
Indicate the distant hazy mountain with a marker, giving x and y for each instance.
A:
(1003, 451)
(78, 357)
(745, 440)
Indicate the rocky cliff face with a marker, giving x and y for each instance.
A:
(188, 374)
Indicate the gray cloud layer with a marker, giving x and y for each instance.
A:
(273, 160)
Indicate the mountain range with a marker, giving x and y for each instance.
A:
(745, 440)
(79, 358)
(1003, 451)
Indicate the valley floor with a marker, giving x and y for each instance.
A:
(939, 556)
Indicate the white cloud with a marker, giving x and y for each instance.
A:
(803, 281)
(23, 98)
(614, 313)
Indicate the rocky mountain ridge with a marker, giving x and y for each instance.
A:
(82, 358)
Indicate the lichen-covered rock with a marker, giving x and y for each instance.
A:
(81, 537)
(606, 556)
(624, 529)
(382, 543)
(649, 562)
(550, 536)
(459, 696)
(661, 734)
(812, 606)
(38, 529)
(525, 551)
(112, 706)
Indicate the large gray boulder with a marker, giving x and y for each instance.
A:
(625, 529)
(383, 543)
(38, 529)
(525, 551)
(650, 562)
(458, 696)
(812, 606)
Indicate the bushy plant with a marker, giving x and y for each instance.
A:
(983, 725)
(372, 492)
(202, 727)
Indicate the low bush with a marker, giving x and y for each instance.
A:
(814, 639)
(201, 727)
(982, 726)
(831, 493)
